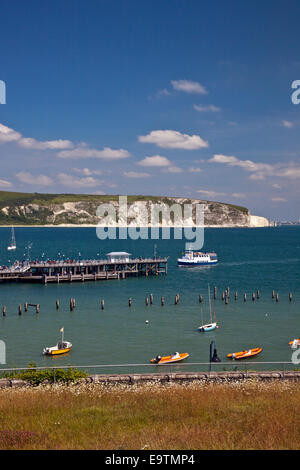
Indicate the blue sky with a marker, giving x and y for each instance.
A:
(161, 98)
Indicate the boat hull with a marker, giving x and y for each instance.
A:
(169, 359)
(57, 351)
(196, 263)
(210, 327)
(245, 354)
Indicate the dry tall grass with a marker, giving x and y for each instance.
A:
(248, 415)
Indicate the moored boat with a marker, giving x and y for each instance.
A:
(295, 343)
(245, 354)
(61, 347)
(12, 245)
(208, 327)
(212, 325)
(197, 258)
(175, 357)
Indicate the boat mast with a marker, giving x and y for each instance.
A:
(209, 303)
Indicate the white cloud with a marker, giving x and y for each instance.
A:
(30, 143)
(287, 124)
(188, 86)
(258, 170)
(238, 195)
(29, 178)
(84, 152)
(193, 169)
(173, 139)
(4, 183)
(209, 193)
(76, 182)
(8, 135)
(156, 160)
(135, 174)
(278, 199)
(87, 171)
(211, 108)
(173, 169)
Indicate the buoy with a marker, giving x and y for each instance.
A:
(147, 321)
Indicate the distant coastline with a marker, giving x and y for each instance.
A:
(83, 210)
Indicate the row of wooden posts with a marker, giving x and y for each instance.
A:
(149, 300)
(226, 294)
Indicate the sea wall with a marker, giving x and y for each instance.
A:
(178, 377)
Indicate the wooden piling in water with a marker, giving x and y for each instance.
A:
(273, 294)
(129, 302)
(147, 301)
(151, 299)
(223, 296)
(26, 306)
(245, 297)
(215, 293)
(290, 296)
(162, 301)
(4, 311)
(257, 294)
(57, 304)
(37, 308)
(20, 310)
(176, 299)
(253, 296)
(102, 304)
(277, 297)
(200, 298)
(235, 296)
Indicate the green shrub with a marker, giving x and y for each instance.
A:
(37, 376)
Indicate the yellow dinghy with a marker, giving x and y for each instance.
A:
(62, 347)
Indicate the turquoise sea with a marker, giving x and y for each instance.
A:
(249, 259)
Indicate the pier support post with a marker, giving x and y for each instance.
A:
(200, 298)
(151, 299)
(102, 304)
(37, 308)
(4, 311)
(245, 297)
(273, 294)
(147, 301)
(57, 304)
(26, 306)
(277, 297)
(20, 310)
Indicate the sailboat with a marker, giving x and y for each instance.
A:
(12, 245)
(212, 325)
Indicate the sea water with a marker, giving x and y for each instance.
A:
(263, 259)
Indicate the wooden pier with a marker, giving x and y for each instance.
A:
(84, 270)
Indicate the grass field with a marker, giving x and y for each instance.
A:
(248, 415)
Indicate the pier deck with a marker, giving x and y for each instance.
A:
(83, 270)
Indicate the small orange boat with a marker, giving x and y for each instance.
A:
(295, 343)
(245, 354)
(176, 357)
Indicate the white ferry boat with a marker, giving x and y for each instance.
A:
(197, 258)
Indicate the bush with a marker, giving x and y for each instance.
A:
(36, 376)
